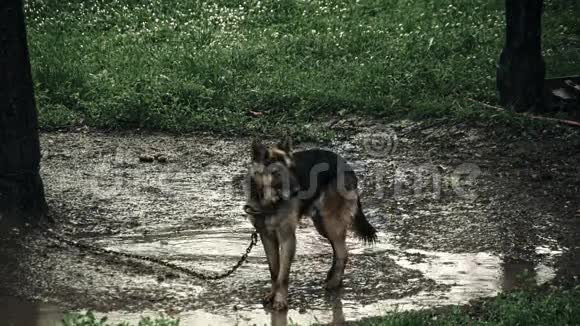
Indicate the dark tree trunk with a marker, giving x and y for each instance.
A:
(521, 70)
(21, 189)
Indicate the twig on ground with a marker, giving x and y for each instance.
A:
(497, 108)
(434, 124)
(573, 85)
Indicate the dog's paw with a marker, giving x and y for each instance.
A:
(268, 297)
(333, 284)
(280, 302)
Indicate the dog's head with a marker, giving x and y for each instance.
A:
(271, 178)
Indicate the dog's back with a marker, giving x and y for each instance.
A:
(316, 169)
(329, 186)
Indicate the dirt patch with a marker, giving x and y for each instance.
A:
(459, 207)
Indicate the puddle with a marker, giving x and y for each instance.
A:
(16, 312)
(464, 276)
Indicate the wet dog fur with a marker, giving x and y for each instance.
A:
(284, 186)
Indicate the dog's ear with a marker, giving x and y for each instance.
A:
(285, 145)
(259, 151)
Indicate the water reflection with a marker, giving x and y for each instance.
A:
(568, 272)
(279, 318)
(518, 267)
(337, 312)
(518, 273)
(335, 301)
(19, 313)
(13, 311)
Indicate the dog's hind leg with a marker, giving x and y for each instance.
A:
(337, 214)
(339, 260)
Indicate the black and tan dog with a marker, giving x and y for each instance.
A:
(284, 186)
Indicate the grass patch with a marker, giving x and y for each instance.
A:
(532, 307)
(205, 65)
(523, 307)
(89, 319)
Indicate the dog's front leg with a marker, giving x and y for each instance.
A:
(287, 240)
(270, 242)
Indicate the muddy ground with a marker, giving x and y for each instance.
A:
(462, 211)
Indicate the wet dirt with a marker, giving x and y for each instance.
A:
(463, 212)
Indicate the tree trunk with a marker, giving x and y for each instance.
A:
(521, 70)
(21, 189)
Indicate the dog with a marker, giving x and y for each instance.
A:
(282, 187)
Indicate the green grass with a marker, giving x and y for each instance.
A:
(522, 308)
(519, 308)
(204, 65)
(89, 319)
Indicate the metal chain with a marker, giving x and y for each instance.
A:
(254, 240)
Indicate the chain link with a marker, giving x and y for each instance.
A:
(97, 250)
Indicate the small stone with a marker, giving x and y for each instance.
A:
(302, 310)
(146, 158)
(546, 176)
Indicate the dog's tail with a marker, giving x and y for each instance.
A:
(362, 227)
